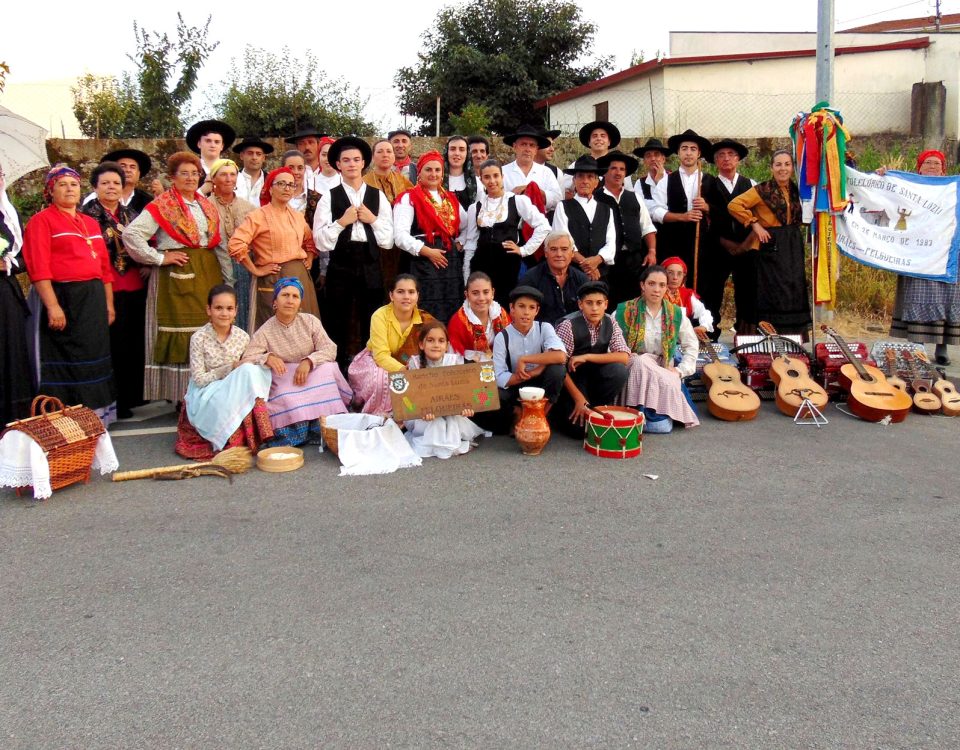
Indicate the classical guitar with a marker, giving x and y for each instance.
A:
(870, 396)
(944, 389)
(924, 399)
(792, 378)
(891, 371)
(727, 397)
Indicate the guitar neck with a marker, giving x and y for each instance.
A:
(845, 351)
(912, 365)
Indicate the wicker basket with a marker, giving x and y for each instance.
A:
(329, 437)
(68, 436)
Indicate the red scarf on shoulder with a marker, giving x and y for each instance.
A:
(170, 211)
(438, 221)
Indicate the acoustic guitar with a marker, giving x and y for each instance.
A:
(945, 390)
(891, 371)
(924, 399)
(792, 378)
(727, 397)
(870, 396)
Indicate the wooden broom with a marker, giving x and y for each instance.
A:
(235, 460)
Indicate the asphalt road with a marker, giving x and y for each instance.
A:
(776, 587)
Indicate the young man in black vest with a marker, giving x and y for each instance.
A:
(680, 206)
(353, 221)
(590, 223)
(636, 235)
(597, 357)
(728, 235)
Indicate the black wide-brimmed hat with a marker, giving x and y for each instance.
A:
(308, 131)
(203, 127)
(729, 143)
(349, 141)
(527, 131)
(674, 141)
(252, 142)
(586, 163)
(142, 160)
(652, 144)
(608, 127)
(552, 134)
(610, 156)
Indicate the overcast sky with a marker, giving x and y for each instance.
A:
(365, 42)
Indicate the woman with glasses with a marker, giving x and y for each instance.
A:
(185, 230)
(274, 242)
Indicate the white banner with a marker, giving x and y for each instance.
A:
(902, 222)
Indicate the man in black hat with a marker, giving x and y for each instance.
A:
(544, 155)
(253, 153)
(307, 142)
(599, 136)
(401, 139)
(636, 235)
(526, 141)
(680, 206)
(209, 138)
(728, 233)
(353, 221)
(135, 164)
(597, 357)
(654, 156)
(589, 222)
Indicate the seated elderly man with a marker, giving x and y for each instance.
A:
(556, 279)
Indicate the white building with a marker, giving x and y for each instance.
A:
(750, 85)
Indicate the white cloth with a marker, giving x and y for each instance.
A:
(659, 193)
(12, 221)
(513, 177)
(248, 188)
(320, 182)
(23, 462)
(327, 229)
(403, 222)
(609, 250)
(368, 444)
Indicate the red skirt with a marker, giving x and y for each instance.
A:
(252, 432)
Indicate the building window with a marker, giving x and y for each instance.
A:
(601, 111)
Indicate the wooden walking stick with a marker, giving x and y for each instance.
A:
(235, 460)
(696, 234)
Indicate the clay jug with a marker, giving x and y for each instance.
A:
(533, 430)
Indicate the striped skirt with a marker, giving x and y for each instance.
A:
(325, 392)
(926, 311)
(371, 391)
(654, 387)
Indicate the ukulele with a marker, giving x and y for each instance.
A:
(870, 396)
(944, 389)
(924, 399)
(727, 397)
(893, 378)
(792, 378)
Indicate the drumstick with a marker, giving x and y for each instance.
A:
(696, 234)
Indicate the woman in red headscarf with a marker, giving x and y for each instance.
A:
(683, 296)
(428, 223)
(281, 245)
(928, 311)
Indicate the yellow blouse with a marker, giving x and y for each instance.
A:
(387, 337)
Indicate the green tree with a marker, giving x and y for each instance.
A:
(149, 102)
(502, 54)
(473, 120)
(274, 95)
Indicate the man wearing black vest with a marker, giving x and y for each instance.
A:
(353, 221)
(681, 207)
(728, 234)
(590, 223)
(636, 236)
(654, 156)
(597, 357)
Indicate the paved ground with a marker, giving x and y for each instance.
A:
(777, 586)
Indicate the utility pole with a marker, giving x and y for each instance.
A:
(824, 88)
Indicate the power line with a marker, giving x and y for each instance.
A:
(845, 21)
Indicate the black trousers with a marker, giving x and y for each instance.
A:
(352, 293)
(600, 383)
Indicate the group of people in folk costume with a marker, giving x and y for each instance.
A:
(265, 300)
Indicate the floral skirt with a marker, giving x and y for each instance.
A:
(252, 433)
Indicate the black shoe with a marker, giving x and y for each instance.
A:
(943, 360)
(124, 414)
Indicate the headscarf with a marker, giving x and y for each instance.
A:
(12, 222)
(268, 183)
(220, 164)
(674, 260)
(325, 140)
(684, 295)
(932, 152)
(427, 158)
(284, 283)
(58, 171)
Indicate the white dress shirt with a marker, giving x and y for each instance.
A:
(403, 214)
(513, 177)
(249, 188)
(638, 189)
(609, 250)
(327, 229)
(528, 213)
(686, 338)
(646, 223)
(689, 182)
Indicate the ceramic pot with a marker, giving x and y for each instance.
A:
(533, 430)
